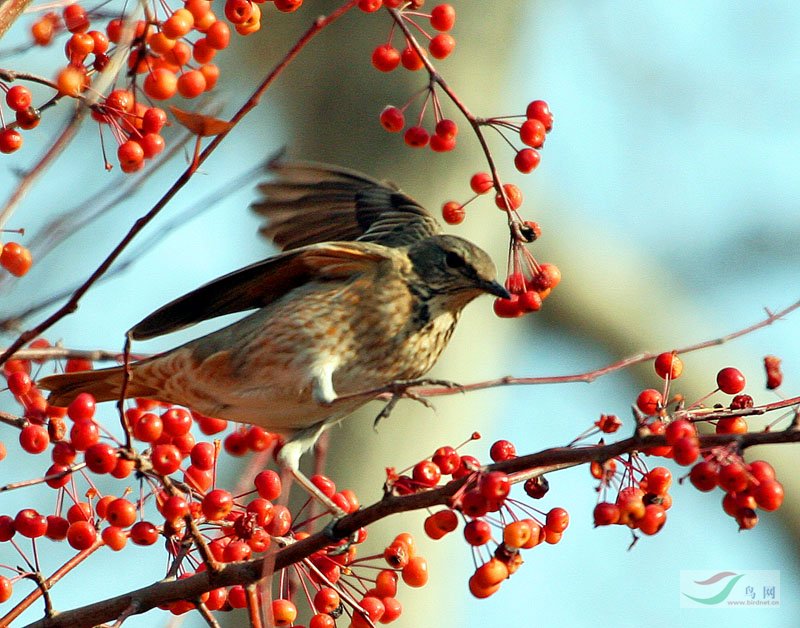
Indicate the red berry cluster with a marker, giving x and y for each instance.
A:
(235, 527)
(747, 486)
(386, 58)
(20, 101)
(174, 54)
(528, 281)
(442, 18)
(508, 197)
(485, 506)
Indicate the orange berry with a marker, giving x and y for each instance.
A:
(16, 259)
(178, 24)
(191, 84)
(161, 84)
(415, 573)
(70, 80)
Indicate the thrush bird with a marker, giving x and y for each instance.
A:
(366, 292)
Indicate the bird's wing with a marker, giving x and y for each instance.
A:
(260, 284)
(308, 203)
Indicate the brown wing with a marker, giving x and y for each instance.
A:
(260, 284)
(309, 203)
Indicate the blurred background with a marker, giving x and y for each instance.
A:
(666, 194)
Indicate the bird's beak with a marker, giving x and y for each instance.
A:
(497, 289)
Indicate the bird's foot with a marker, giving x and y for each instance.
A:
(330, 531)
(402, 388)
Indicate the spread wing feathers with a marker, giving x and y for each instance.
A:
(260, 284)
(309, 203)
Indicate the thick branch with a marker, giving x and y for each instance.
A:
(247, 572)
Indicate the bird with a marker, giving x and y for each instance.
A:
(365, 292)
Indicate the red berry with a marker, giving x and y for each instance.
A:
(268, 484)
(426, 473)
(732, 477)
(514, 196)
(532, 133)
(441, 144)
(446, 128)
(238, 11)
(474, 504)
(7, 528)
(392, 119)
(385, 58)
(10, 141)
(34, 439)
(217, 504)
(502, 450)
(686, 450)
(144, 533)
(81, 408)
(121, 513)
(101, 458)
(447, 459)
(416, 137)
(539, 110)
(494, 485)
(443, 17)
(536, 487)
(730, 380)
(19, 98)
(57, 528)
(148, 427)
(81, 535)
(606, 514)
(731, 425)
(177, 421)
(327, 600)
(481, 182)
(30, 523)
(415, 573)
(680, 428)
(658, 480)
(739, 402)
(84, 434)
(649, 401)
(166, 458)
(441, 45)
(440, 523)
(326, 486)
(453, 213)
(557, 519)
(75, 18)
(527, 160)
(370, 6)
(653, 520)
(668, 366)
(769, 494)
(411, 59)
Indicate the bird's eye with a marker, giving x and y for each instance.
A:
(453, 260)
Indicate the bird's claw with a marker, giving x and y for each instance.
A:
(401, 388)
(330, 531)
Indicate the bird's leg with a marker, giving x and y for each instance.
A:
(289, 459)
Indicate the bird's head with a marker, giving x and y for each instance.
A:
(454, 271)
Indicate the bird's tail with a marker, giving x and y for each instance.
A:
(103, 384)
